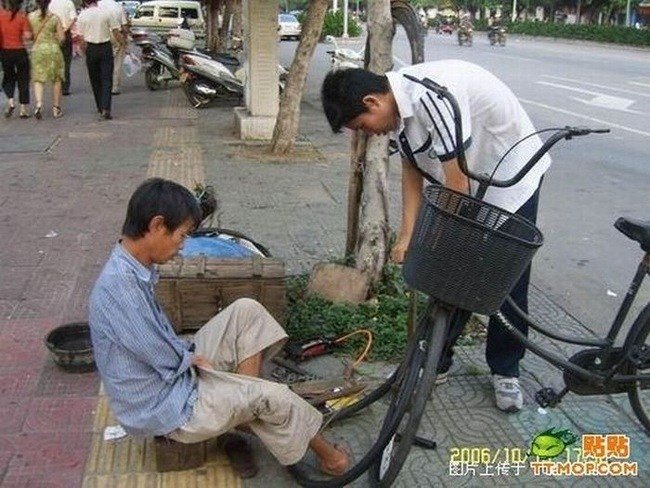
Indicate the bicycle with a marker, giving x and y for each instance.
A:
(494, 247)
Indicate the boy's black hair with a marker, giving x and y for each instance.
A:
(156, 196)
(343, 92)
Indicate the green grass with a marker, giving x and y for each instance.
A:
(385, 316)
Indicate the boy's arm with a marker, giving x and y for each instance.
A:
(411, 201)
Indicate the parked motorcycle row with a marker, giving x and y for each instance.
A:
(204, 76)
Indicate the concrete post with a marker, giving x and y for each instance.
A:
(257, 119)
(345, 19)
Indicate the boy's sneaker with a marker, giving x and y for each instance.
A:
(507, 393)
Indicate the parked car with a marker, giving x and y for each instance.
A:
(130, 6)
(160, 16)
(288, 27)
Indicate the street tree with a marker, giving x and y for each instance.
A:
(367, 226)
(371, 154)
(286, 127)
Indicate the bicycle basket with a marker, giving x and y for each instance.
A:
(466, 252)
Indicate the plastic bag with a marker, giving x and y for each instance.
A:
(131, 65)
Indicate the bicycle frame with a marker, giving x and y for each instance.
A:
(606, 344)
(485, 181)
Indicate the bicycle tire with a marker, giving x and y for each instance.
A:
(384, 476)
(636, 342)
(407, 385)
(376, 394)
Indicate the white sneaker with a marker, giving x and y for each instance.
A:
(508, 394)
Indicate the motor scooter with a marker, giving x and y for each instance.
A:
(161, 57)
(205, 80)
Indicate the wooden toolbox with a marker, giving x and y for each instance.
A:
(193, 290)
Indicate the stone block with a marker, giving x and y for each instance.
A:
(339, 283)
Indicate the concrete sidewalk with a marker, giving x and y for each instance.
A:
(70, 179)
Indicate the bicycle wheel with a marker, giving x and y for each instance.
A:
(639, 354)
(394, 455)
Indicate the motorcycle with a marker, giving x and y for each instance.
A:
(161, 58)
(343, 57)
(205, 80)
(497, 35)
(445, 29)
(465, 35)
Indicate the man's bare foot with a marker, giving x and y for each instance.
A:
(337, 463)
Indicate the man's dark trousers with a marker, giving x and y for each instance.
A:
(503, 352)
(99, 61)
(66, 49)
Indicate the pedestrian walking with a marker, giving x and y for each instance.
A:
(120, 46)
(14, 30)
(47, 65)
(97, 25)
(67, 14)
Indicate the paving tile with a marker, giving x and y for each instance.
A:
(17, 382)
(42, 477)
(53, 449)
(60, 414)
(55, 382)
(13, 412)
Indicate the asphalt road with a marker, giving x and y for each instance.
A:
(585, 264)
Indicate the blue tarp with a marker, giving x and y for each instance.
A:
(215, 247)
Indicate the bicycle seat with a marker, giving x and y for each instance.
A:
(635, 229)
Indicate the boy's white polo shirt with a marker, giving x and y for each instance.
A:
(492, 120)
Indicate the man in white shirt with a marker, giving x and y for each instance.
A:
(98, 27)
(66, 12)
(119, 45)
(493, 120)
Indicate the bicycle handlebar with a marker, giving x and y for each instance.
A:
(486, 180)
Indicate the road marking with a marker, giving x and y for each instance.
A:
(514, 57)
(623, 90)
(647, 85)
(586, 117)
(599, 99)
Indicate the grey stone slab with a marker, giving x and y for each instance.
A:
(26, 143)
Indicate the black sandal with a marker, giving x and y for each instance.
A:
(9, 111)
(38, 114)
(57, 113)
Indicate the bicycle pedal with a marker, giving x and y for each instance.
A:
(546, 397)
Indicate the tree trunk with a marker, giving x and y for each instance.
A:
(373, 230)
(212, 41)
(287, 123)
(237, 26)
(224, 32)
(355, 187)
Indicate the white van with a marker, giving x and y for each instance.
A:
(162, 15)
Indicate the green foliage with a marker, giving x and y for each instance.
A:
(385, 316)
(599, 33)
(333, 25)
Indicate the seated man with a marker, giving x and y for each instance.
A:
(161, 385)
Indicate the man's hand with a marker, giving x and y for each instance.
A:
(398, 253)
(201, 362)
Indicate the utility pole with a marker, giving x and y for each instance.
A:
(627, 14)
(345, 19)
(514, 10)
(335, 6)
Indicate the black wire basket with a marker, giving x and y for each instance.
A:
(466, 252)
